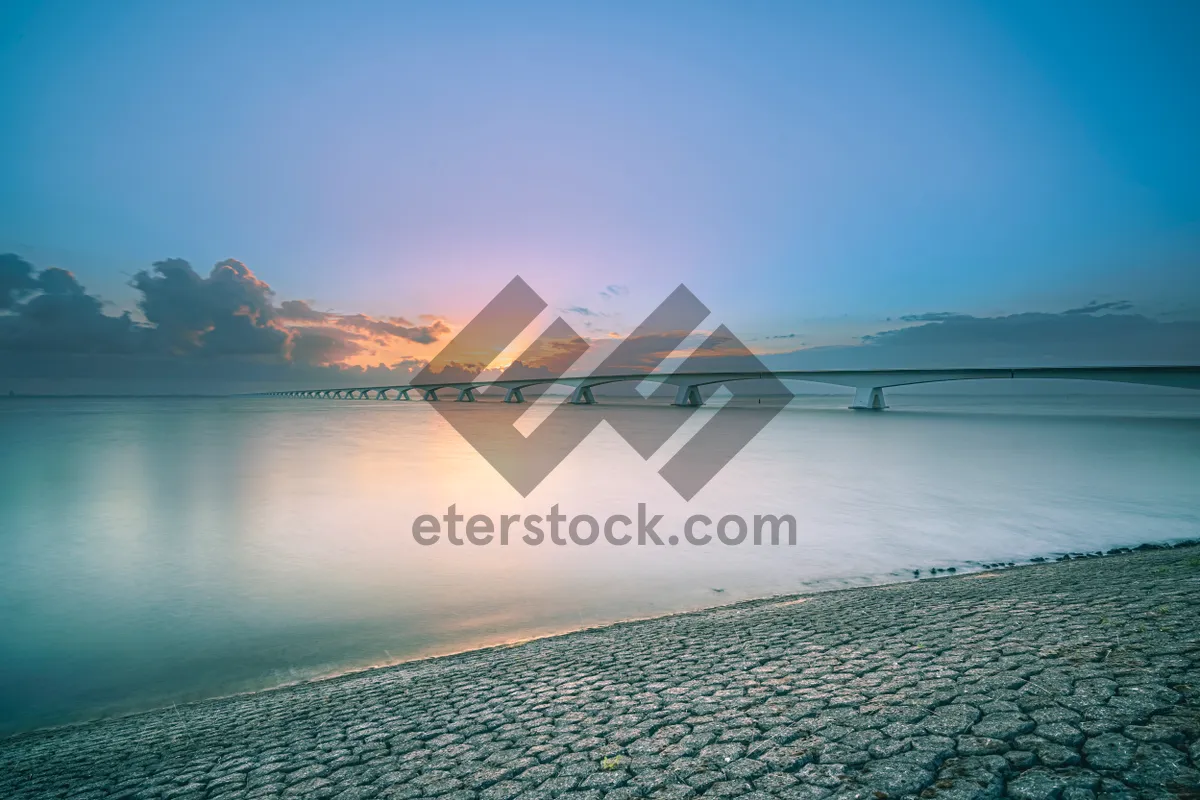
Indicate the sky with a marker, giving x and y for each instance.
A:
(281, 193)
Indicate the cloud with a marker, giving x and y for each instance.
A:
(551, 354)
(227, 317)
(1093, 307)
(395, 326)
(932, 316)
(16, 280)
(324, 345)
(241, 335)
(1014, 340)
(62, 318)
(229, 312)
(582, 311)
(614, 290)
(641, 353)
(300, 311)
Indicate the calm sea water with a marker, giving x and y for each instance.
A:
(162, 550)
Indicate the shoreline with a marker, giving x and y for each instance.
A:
(1037, 681)
(971, 568)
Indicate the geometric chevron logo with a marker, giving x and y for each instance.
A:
(525, 461)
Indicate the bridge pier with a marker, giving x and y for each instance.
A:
(430, 395)
(402, 394)
(582, 396)
(868, 399)
(514, 396)
(466, 395)
(688, 397)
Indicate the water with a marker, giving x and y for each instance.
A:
(162, 550)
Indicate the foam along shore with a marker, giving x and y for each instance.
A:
(1069, 680)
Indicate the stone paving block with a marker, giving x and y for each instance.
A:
(1041, 683)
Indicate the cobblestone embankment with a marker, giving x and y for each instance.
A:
(1065, 680)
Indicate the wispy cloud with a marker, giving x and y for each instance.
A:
(614, 290)
(932, 316)
(583, 311)
(1093, 307)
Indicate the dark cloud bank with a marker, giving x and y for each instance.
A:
(225, 332)
(202, 334)
(1088, 336)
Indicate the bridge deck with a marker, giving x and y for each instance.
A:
(869, 384)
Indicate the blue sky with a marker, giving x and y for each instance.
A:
(812, 168)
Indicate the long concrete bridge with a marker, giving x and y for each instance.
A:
(868, 385)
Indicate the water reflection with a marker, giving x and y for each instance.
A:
(159, 550)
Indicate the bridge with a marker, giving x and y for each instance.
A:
(868, 385)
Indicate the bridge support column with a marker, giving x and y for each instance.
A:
(688, 396)
(430, 395)
(583, 396)
(868, 399)
(402, 394)
(514, 396)
(466, 395)
(381, 394)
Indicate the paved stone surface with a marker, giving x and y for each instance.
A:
(1062, 681)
